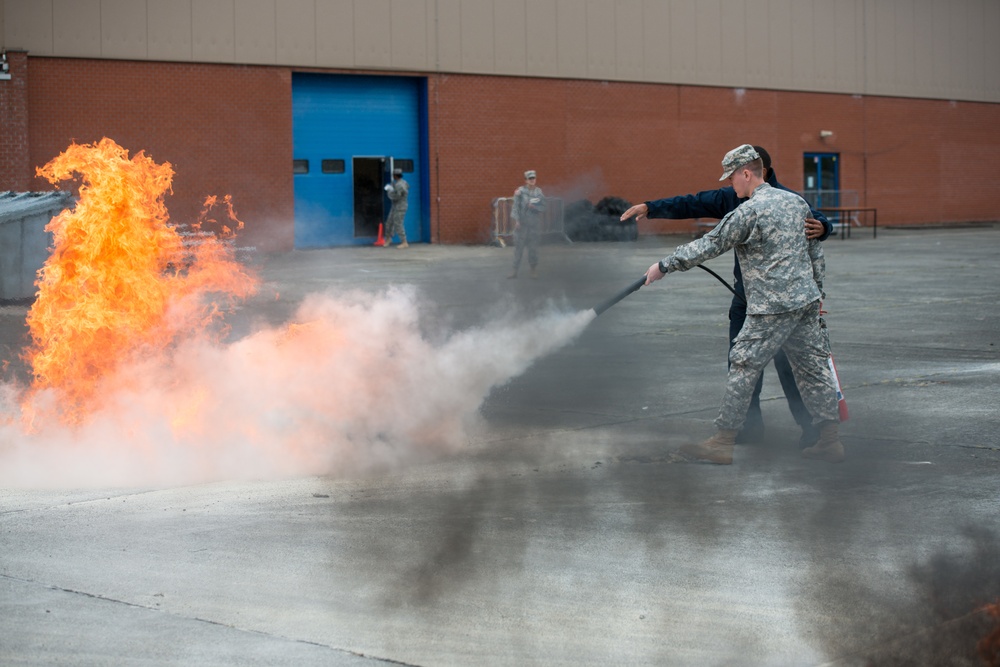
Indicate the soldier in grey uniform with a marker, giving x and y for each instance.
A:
(397, 191)
(783, 272)
(527, 210)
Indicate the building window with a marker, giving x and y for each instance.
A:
(332, 166)
(300, 166)
(406, 165)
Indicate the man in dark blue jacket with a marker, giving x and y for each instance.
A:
(716, 204)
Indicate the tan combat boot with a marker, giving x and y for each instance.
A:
(717, 449)
(828, 448)
(402, 245)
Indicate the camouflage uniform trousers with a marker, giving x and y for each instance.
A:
(802, 336)
(394, 225)
(527, 235)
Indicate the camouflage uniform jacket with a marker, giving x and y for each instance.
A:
(782, 269)
(522, 210)
(398, 195)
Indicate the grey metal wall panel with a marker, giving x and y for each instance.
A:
(915, 48)
(655, 42)
(683, 41)
(541, 45)
(709, 47)
(477, 36)
(600, 40)
(295, 32)
(408, 34)
(967, 39)
(335, 33)
(628, 45)
(991, 51)
(779, 42)
(510, 37)
(168, 29)
(736, 44)
(571, 39)
(757, 53)
(123, 29)
(449, 35)
(213, 31)
(76, 27)
(802, 31)
(254, 39)
(849, 42)
(372, 22)
(28, 25)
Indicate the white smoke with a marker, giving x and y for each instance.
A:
(350, 385)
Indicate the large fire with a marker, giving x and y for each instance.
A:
(120, 282)
(135, 381)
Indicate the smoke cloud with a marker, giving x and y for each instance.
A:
(349, 385)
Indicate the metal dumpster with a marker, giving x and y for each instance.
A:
(24, 243)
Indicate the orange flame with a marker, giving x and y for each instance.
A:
(120, 284)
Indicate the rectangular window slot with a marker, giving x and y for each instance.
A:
(332, 166)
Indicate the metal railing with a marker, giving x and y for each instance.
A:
(836, 199)
(830, 198)
(502, 226)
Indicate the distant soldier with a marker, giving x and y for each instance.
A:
(783, 272)
(397, 191)
(529, 205)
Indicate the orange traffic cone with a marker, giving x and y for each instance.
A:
(380, 241)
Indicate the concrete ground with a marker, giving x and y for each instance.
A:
(566, 531)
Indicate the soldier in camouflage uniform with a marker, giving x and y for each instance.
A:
(783, 273)
(526, 212)
(398, 192)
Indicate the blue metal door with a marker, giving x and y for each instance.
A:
(338, 118)
(821, 179)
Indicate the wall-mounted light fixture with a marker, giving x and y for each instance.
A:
(4, 67)
(823, 134)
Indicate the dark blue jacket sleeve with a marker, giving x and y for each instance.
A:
(707, 204)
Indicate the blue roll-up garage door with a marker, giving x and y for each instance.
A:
(348, 132)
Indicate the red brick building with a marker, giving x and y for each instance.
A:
(227, 129)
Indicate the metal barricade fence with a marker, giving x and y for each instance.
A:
(821, 199)
(553, 221)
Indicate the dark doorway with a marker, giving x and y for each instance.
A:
(370, 202)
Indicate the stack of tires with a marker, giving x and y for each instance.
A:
(599, 222)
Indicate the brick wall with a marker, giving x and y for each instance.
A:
(228, 130)
(225, 130)
(15, 166)
(917, 161)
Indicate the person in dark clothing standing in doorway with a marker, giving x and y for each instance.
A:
(716, 204)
